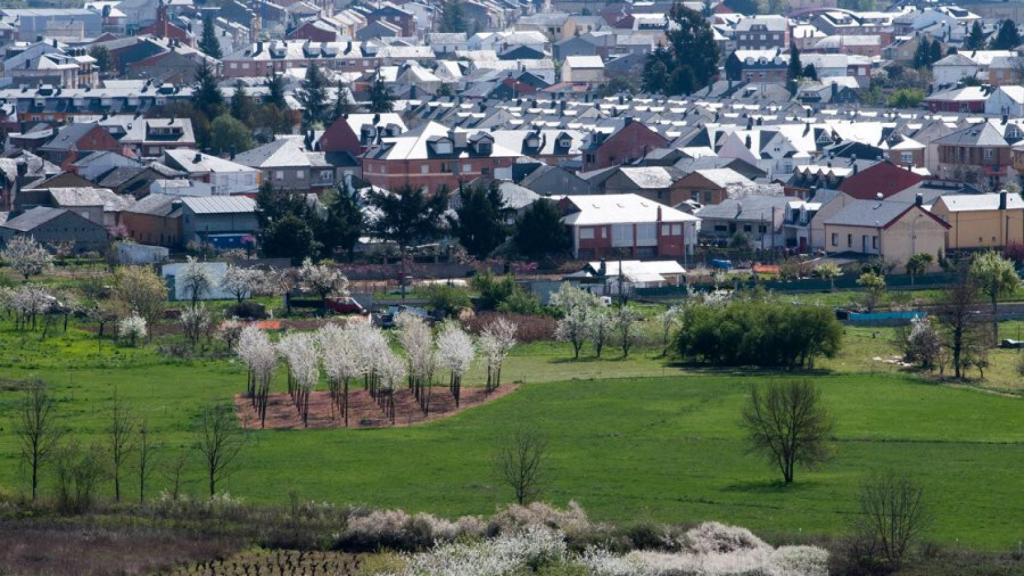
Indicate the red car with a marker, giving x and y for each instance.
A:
(345, 305)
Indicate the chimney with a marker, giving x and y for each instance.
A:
(198, 158)
(1002, 199)
(854, 169)
(919, 200)
(54, 42)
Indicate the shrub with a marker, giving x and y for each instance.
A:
(755, 333)
(530, 328)
(247, 310)
(447, 300)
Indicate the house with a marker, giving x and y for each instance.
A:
(630, 141)
(289, 163)
(151, 137)
(979, 221)
(620, 277)
(976, 154)
(433, 156)
(708, 185)
(95, 164)
(395, 16)
(67, 24)
(56, 226)
(891, 231)
(882, 178)
(354, 133)
(224, 176)
(656, 183)
(587, 69)
(1006, 101)
(98, 205)
(627, 225)
(554, 181)
(966, 64)
(758, 218)
(763, 32)
(971, 99)
(756, 66)
(74, 139)
(222, 221)
(154, 220)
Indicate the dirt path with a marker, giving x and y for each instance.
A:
(364, 412)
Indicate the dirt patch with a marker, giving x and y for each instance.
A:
(364, 412)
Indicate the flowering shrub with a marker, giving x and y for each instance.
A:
(525, 549)
(132, 328)
(396, 529)
(715, 538)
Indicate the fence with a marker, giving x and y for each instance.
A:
(844, 282)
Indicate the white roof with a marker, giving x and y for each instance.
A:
(219, 204)
(650, 269)
(980, 202)
(598, 209)
(584, 62)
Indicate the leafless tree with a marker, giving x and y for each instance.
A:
(789, 425)
(37, 430)
(521, 463)
(219, 440)
(146, 452)
(957, 314)
(122, 438)
(893, 516)
(175, 474)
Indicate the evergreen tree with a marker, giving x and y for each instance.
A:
(341, 103)
(453, 18)
(408, 216)
(209, 43)
(275, 91)
(207, 97)
(273, 205)
(922, 53)
(478, 223)
(290, 237)
(540, 232)
(795, 69)
(976, 39)
(1008, 37)
(934, 52)
(229, 135)
(692, 54)
(242, 106)
(102, 56)
(343, 225)
(313, 97)
(381, 99)
(655, 74)
(810, 72)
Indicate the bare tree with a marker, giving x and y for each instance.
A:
(957, 313)
(789, 425)
(219, 440)
(146, 451)
(175, 474)
(521, 462)
(37, 430)
(893, 516)
(122, 441)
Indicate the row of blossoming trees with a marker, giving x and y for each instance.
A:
(358, 351)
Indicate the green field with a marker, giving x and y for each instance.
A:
(629, 439)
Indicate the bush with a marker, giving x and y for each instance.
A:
(504, 294)
(247, 310)
(754, 333)
(447, 300)
(528, 328)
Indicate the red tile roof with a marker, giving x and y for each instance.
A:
(885, 178)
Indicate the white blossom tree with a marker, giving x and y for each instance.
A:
(417, 339)
(625, 319)
(496, 341)
(195, 322)
(391, 372)
(242, 282)
(260, 357)
(132, 328)
(455, 352)
(670, 320)
(26, 256)
(26, 302)
(195, 280)
(368, 345)
(576, 306)
(323, 279)
(341, 364)
(600, 325)
(301, 353)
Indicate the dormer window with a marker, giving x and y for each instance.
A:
(483, 147)
(532, 141)
(565, 142)
(443, 147)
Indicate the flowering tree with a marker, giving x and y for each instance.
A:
(391, 372)
(242, 282)
(496, 342)
(418, 341)
(196, 280)
(455, 352)
(599, 325)
(368, 345)
(323, 279)
(301, 353)
(26, 256)
(341, 364)
(670, 319)
(26, 302)
(577, 306)
(139, 289)
(625, 320)
(194, 323)
(260, 357)
(132, 328)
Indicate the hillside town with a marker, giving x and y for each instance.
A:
(824, 133)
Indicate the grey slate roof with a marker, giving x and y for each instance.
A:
(32, 219)
(870, 213)
(219, 204)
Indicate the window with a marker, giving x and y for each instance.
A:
(849, 240)
(747, 228)
(586, 233)
(647, 234)
(987, 154)
(724, 228)
(445, 168)
(906, 158)
(874, 242)
(278, 174)
(677, 229)
(835, 239)
(762, 229)
(666, 230)
(300, 175)
(424, 168)
(467, 168)
(622, 235)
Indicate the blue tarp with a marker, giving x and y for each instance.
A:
(906, 316)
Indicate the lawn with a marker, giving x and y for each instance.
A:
(629, 439)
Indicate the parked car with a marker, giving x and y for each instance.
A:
(345, 305)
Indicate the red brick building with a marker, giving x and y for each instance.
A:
(354, 133)
(627, 225)
(630, 142)
(73, 140)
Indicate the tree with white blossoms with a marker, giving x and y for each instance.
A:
(26, 256)
(455, 352)
(496, 341)
(368, 346)
(577, 306)
(341, 364)
(194, 323)
(242, 282)
(600, 324)
(26, 302)
(417, 339)
(302, 355)
(195, 280)
(391, 372)
(260, 355)
(323, 279)
(670, 320)
(132, 328)
(625, 320)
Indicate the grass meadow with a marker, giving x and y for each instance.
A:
(634, 439)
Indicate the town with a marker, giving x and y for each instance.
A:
(508, 287)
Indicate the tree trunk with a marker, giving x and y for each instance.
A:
(995, 320)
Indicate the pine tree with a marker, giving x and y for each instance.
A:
(810, 72)
(343, 225)
(478, 223)
(207, 96)
(341, 103)
(922, 53)
(1008, 36)
(275, 91)
(453, 18)
(313, 97)
(795, 69)
(692, 54)
(934, 52)
(976, 39)
(656, 71)
(209, 43)
(381, 99)
(242, 106)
